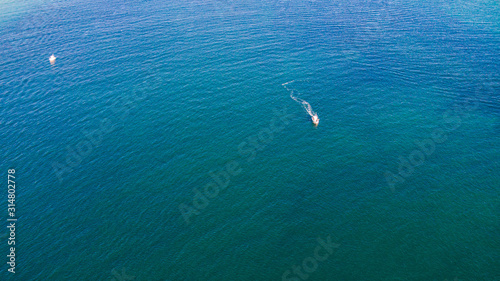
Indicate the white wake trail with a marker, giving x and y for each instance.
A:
(304, 103)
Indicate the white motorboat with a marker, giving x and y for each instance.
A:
(315, 120)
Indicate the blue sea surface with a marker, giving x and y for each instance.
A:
(162, 145)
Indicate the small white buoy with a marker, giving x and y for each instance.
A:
(52, 59)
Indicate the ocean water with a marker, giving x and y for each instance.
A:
(118, 144)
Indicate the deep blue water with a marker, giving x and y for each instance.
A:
(147, 100)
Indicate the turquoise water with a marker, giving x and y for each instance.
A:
(146, 100)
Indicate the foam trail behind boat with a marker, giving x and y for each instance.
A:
(304, 103)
